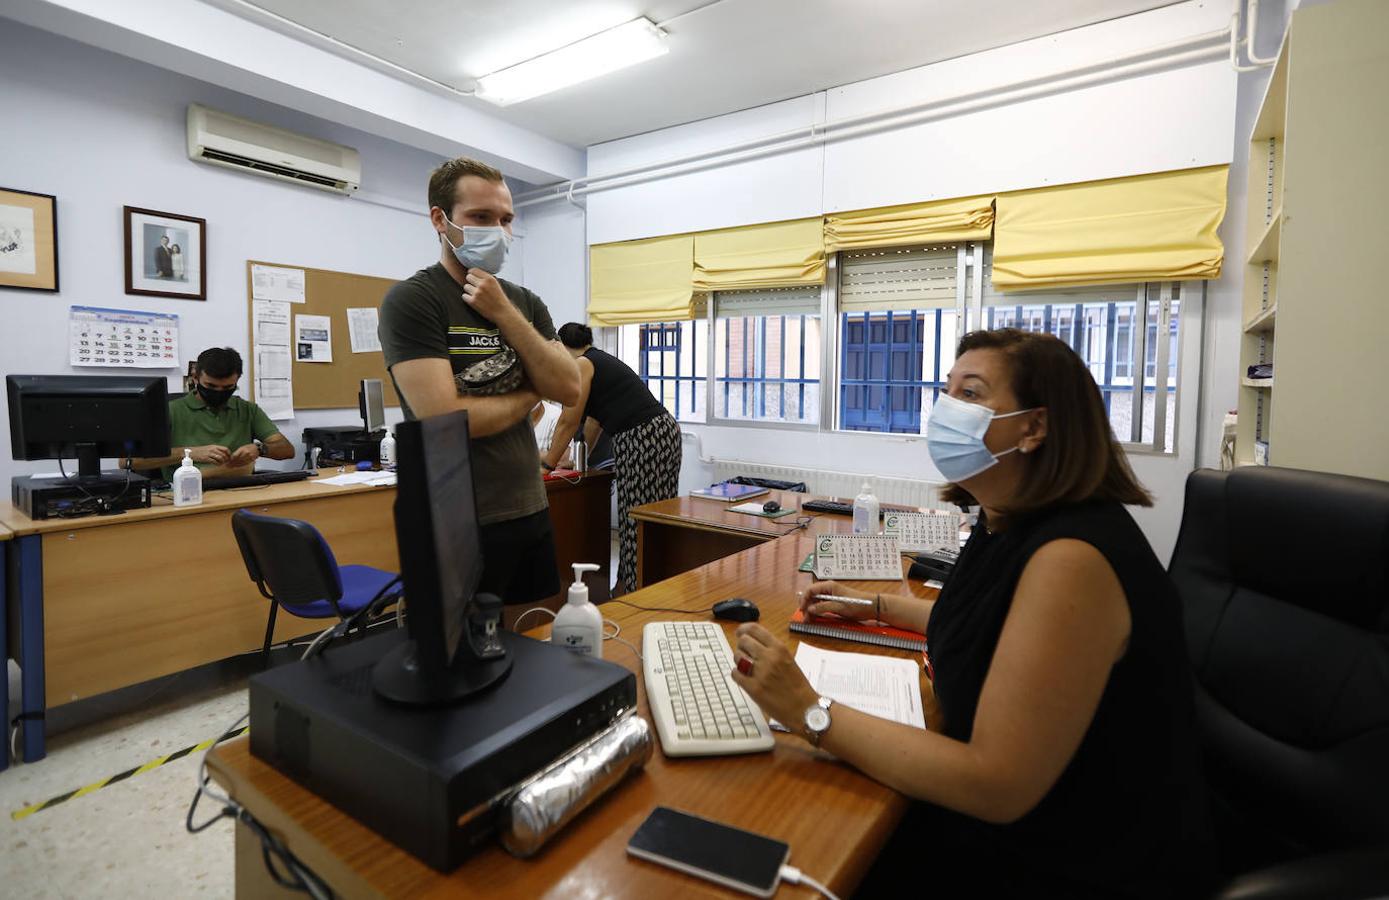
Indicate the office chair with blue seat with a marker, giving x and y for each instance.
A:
(1284, 581)
(293, 566)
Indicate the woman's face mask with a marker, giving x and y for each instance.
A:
(955, 437)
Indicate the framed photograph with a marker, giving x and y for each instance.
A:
(165, 254)
(28, 240)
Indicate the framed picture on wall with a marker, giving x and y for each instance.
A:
(28, 240)
(165, 254)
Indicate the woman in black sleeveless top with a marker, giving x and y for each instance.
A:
(1067, 764)
(646, 439)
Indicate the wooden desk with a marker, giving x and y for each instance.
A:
(103, 602)
(683, 533)
(835, 818)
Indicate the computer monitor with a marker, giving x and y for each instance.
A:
(454, 649)
(372, 403)
(88, 417)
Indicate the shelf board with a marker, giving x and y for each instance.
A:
(1266, 250)
(1257, 382)
(1263, 321)
(1273, 111)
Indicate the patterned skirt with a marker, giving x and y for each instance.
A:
(647, 469)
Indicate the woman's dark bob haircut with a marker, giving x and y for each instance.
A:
(1079, 459)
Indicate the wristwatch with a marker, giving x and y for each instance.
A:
(817, 720)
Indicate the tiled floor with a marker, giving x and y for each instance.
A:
(128, 839)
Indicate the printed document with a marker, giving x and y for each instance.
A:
(881, 686)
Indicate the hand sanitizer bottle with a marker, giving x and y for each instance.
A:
(388, 451)
(579, 625)
(866, 511)
(188, 482)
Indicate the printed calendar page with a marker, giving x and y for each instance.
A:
(923, 532)
(867, 557)
(122, 337)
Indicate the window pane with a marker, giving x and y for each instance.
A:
(669, 358)
(891, 366)
(767, 368)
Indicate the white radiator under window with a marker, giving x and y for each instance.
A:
(844, 485)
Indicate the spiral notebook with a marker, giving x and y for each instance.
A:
(880, 635)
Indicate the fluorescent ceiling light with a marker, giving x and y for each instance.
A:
(617, 48)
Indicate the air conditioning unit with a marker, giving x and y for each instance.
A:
(225, 140)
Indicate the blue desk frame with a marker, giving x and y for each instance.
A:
(21, 560)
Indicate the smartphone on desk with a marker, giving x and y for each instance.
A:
(730, 856)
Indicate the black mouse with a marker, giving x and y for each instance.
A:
(771, 506)
(736, 609)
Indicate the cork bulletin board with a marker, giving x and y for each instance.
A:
(331, 385)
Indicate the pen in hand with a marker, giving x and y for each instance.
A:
(854, 601)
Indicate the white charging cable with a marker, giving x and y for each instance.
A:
(793, 875)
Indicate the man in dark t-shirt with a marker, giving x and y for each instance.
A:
(445, 319)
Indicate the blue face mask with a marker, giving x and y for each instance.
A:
(484, 246)
(955, 437)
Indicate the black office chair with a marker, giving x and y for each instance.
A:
(1284, 580)
(294, 567)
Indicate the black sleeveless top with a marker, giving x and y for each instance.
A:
(617, 398)
(1128, 815)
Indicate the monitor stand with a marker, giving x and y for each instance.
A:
(399, 677)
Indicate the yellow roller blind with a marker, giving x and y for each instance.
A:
(963, 219)
(641, 281)
(782, 254)
(1143, 228)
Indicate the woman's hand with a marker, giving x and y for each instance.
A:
(771, 677)
(815, 607)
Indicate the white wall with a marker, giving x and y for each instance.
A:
(1175, 118)
(101, 131)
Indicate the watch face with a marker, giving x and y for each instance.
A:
(817, 719)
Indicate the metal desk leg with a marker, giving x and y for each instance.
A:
(29, 553)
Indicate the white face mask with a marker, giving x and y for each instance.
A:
(955, 437)
(484, 246)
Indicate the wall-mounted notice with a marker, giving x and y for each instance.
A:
(270, 343)
(313, 339)
(124, 338)
(361, 328)
(277, 283)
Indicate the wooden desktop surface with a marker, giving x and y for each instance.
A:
(150, 592)
(835, 818)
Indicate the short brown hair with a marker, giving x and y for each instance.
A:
(443, 181)
(1079, 459)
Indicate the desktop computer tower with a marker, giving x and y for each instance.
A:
(426, 778)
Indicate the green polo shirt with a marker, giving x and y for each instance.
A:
(192, 423)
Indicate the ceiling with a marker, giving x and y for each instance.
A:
(725, 55)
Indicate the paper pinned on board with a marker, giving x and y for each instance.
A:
(361, 329)
(274, 373)
(313, 339)
(277, 283)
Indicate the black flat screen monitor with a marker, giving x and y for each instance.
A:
(88, 417)
(449, 654)
(371, 401)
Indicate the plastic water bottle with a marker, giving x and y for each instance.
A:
(388, 451)
(579, 625)
(866, 511)
(188, 482)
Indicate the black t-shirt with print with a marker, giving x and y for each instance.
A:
(426, 317)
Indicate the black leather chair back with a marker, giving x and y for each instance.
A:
(287, 558)
(1284, 577)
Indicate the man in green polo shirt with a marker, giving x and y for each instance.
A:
(220, 429)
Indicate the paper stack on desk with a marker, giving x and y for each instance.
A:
(881, 686)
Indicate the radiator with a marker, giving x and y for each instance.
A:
(844, 485)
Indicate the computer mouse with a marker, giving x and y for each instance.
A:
(736, 609)
(771, 506)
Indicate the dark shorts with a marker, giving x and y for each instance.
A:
(519, 559)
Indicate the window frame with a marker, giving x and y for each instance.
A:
(970, 309)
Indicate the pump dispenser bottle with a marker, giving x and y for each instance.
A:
(579, 625)
(866, 511)
(188, 482)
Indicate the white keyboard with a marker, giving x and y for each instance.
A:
(697, 707)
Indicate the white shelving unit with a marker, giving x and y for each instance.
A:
(1315, 284)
